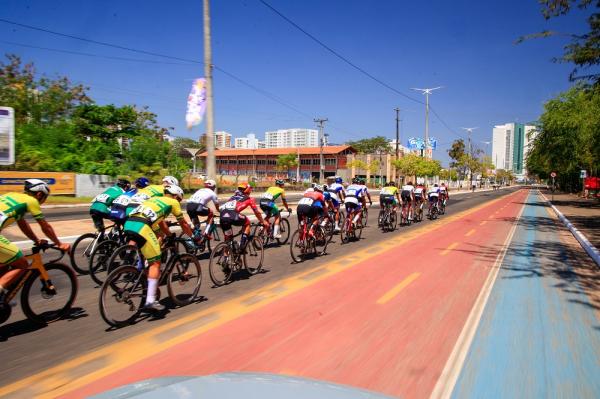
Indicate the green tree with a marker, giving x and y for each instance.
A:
(408, 165)
(287, 161)
(373, 145)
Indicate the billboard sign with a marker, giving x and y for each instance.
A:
(418, 143)
(7, 136)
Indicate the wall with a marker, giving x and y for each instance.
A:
(91, 185)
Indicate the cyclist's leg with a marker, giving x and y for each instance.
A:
(245, 222)
(191, 209)
(98, 219)
(274, 211)
(10, 255)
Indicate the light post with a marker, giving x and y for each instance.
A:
(427, 92)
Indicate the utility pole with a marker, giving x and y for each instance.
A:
(320, 122)
(210, 141)
(397, 132)
(469, 131)
(427, 92)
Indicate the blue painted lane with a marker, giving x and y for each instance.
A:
(539, 335)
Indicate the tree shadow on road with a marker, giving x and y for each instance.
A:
(27, 326)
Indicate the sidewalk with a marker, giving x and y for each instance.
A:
(583, 213)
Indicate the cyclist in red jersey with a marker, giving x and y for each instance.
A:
(312, 205)
(231, 213)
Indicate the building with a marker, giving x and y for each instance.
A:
(222, 139)
(250, 142)
(402, 149)
(283, 138)
(509, 144)
(262, 162)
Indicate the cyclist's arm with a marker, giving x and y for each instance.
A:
(162, 225)
(49, 231)
(284, 201)
(185, 226)
(257, 213)
(26, 229)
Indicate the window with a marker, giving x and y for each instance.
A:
(330, 161)
(316, 161)
(305, 162)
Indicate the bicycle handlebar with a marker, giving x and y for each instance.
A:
(45, 246)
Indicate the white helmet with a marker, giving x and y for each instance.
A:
(318, 187)
(36, 185)
(174, 190)
(170, 180)
(210, 183)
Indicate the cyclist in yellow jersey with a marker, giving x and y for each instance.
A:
(143, 225)
(268, 206)
(389, 194)
(13, 207)
(151, 191)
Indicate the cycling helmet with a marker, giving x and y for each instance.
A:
(123, 183)
(362, 181)
(170, 180)
(435, 185)
(391, 184)
(356, 180)
(339, 180)
(141, 182)
(318, 187)
(175, 191)
(279, 182)
(210, 184)
(36, 186)
(244, 188)
(325, 188)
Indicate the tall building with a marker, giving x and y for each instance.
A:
(249, 142)
(510, 145)
(222, 139)
(292, 138)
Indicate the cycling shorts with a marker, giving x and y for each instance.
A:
(433, 197)
(387, 199)
(144, 237)
(269, 207)
(232, 218)
(118, 213)
(9, 252)
(406, 196)
(98, 218)
(194, 210)
(309, 211)
(352, 207)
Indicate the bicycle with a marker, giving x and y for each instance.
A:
(56, 295)
(388, 218)
(404, 213)
(123, 294)
(364, 215)
(267, 234)
(202, 242)
(98, 265)
(350, 230)
(329, 223)
(89, 242)
(308, 239)
(442, 206)
(227, 258)
(433, 210)
(418, 211)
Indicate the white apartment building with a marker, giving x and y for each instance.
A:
(249, 142)
(510, 146)
(292, 138)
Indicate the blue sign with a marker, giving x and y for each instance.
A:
(417, 143)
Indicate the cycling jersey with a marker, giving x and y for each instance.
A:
(13, 207)
(389, 190)
(408, 188)
(419, 191)
(203, 197)
(268, 199)
(336, 188)
(118, 208)
(231, 211)
(434, 192)
(273, 193)
(335, 200)
(355, 190)
(310, 205)
(146, 193)
(102, 202)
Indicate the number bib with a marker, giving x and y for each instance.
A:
(103, 198)
(268, 196)
(351, 193)
(147, 213)
(122, 200)
(230, 205)
(139, 198)
(306, 201)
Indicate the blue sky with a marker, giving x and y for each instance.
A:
(466, 46)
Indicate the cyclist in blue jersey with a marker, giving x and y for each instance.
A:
(334, 202)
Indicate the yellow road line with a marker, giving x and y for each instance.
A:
(50, 383)
(396, 290)
(470, 233)
(449, 248)
(482, 223)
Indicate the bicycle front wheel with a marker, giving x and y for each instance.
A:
(393, 220)
(124, 255)
(99, 260)
(284, 230)
(184, 279)
(41, 305)
(81, 250)
(122, 296)
(254, 255)
(219, 267)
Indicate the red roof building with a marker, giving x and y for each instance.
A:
(263, 161)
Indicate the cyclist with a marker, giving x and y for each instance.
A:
(338, 188)
(444, 194)
(150, 191)
(100, 208)
(198, 203)
(408, 195)
(231, 213)
(420, 193)
(144, 224)
(334, 202)
(268, 206)
(13, 207)
(312, 205)
(118, 208)
(366, 193)
(354, 200)
(389, 195)
(434, 195)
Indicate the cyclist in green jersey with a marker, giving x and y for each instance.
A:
(100, 208)
(268, 206)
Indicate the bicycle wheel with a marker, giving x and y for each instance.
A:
(124, 255)
(220, 263)
(122, 296)
(297, 247)
(42, 306)
(254, 255)
(284, 230)
(358, 230)
(85, 245)
(185, 277)
(381, 219)
(365, 217)
(98, 263)
(393, 221)
(321, 240)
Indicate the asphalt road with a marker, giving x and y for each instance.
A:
(27, 349)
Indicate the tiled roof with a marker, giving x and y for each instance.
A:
(327, 150)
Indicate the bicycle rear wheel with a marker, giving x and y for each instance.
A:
(284, 230)
(85, 245)
(42, 306)
(297, 247)
(393, 221)
(220, 264)
(321, 238)
(365, 217)
(99, 260)
(254, 255)
(124, 255)
(185, 277)
(122, 296)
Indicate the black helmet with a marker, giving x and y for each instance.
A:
(279, 182)
(123, 183)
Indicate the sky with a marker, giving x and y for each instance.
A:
(468, 47)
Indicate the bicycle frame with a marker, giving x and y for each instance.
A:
(36, 264)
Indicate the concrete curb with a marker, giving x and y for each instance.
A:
(583, 241)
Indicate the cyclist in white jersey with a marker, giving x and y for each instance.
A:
(444, 193)
(198, 203)
(366, 193)
(434, 193)
(337, 188)
(354, 199)
(408, 195)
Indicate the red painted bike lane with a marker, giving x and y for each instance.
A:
(387, 324)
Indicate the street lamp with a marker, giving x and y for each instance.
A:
(426, 92)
